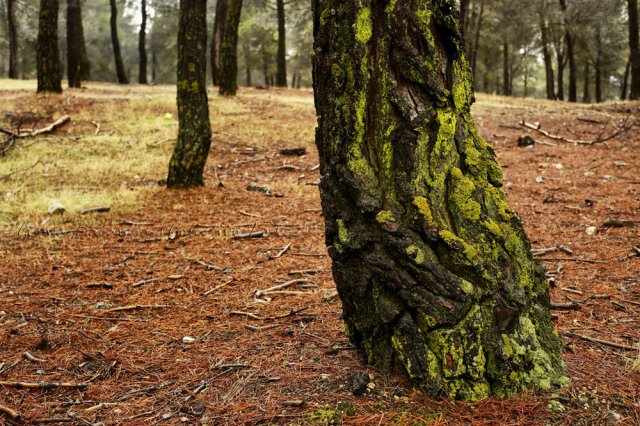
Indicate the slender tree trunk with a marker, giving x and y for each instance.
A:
(598, 64)
(433, 268)
(49, 78)
(546, 54)
(246, 46)
(464, 17)
(586, 93)
(229, 53)
(476, 39)
(222, 6)
(187, 164)
(142, 45)
(78, 68)
(634, 45)
(561, 64)
(281, 75)
(506, 75)
(625, 81)
(12, 27)
(154, 66)
(265, 67)
(115, 41)
(568, 35)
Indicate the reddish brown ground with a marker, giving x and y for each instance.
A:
(138, 365)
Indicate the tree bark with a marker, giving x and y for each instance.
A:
(433, 268)
(78, 67)
(115, 41)
(12, 27)
(281, 74)
(598, 67)
(246, 47)
(506, 75)
(573, 71)
(229, 50)
(142, 45)
(586, 93)
(625, 81)
(222, 6)
(476, 39)
(48, 60)
(186, 168)
(546, 54)
(464, 17)
(634, 45)
(561, 64)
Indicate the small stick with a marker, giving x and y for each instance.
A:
(281, 252)
(136, 307)
(305, 272)
(216, 288)
(54, 420)
(604, 342)
(565, 306)
(630, 301)
(571, 259)
(571, 290)
(28, 355)
(254, 316)
(43, 385)
(144, 282)
(11, 413)
(110, 318)
(208, 266)
(242, 212)
(259, 293)
(95, 123)
(99, 209)
(251, 235)
(263, 328)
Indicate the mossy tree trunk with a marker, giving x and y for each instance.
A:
(48, 67)
(433, 268)
(229, 50)
(12, 29)
(281, 74)
(216, 42)
(115, 42)
(194, 134)
(78, 67)
(142, 45)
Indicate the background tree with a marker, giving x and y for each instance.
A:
(229, 52)
(194, 135)
(142, 44)
(115, 41)
(222, 6)
(281, 76)
(634, 46)
(48, 54)
(78, 67)
(12, 29)
(433, 268)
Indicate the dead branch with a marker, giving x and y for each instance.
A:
(48, 129)
(144, 282)
(261, 328)
(110, 318)
(218, 287)
(259, 318)
(28, 355)
(604, 342)
(13, 414)
(251, 235)
(619, 130)
(44, 385)
(305, 272)
(281, 252)
(259, 294)
(565, 306)
(99, 209)
(136, 307)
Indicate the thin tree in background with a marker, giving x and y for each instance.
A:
(571, 57)
(78, 67)
(433, 267)
(186, 168)
(48, 59)
(546, 52)
(142, 45)
(634, 45)
(12, 27)
(115, 41)
(229, 50)
(222, 6)
(281, 75)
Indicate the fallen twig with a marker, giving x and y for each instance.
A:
(99, 209)
(604, 342)
(261, 328)
(43, 385)
(618, 131)
(13, 414)
(111, 318)
(571, 259)
(145, 282)
(135, 308)
(28, 355)
(218, 287)
(259, 294)
(259, 318)
(281, 252)
(251, 235)
(565, 306)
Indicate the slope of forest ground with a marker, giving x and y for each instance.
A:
(152, 308)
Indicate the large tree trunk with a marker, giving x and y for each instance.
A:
(78, 68)
(229, 50)
(186, 168)
(634, 45)
(433, 268)
(222, 6)
(569, 40)
(142, 45)
(12, 27)
(546, 54)
(49, 79)
(115, 41)
(281, 75)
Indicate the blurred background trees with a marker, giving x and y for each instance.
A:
(577, 50)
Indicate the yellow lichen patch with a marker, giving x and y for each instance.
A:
(463, 195)
(423, 207)
(343, 233)
(385, 216)
(420, 257)
(364, 29)
(466, 287)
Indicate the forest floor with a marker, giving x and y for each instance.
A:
(147, 314)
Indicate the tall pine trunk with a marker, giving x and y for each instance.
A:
(586, 92)
(476, 39)
(281, 75)
(12, 27)
(598, 67)
(78, 67)
(433, 268)
(190, 154)
(48, 55)
(625, 81)
(561, 65)
(571, 57)
(229, 50)
(634, 45)
(546, 53)
(115, 42)
(506, 74)
(246, 47)
(142, 45)
(222, 6)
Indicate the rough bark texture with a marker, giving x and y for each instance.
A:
(12, 27)
(476, 38)
(571, 57)
(48, 66)
(634, 45)
(142, 45)
(229, 50)
(546, 53)
(115, 41)
(78, 68)
(194, 134)
(625, 81)
(506, 74)
(222, 6)
(281, 75)
(586, 92)
(433, 268)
